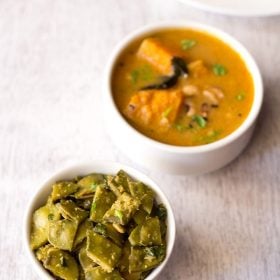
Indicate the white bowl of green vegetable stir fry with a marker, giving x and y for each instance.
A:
(99, 220)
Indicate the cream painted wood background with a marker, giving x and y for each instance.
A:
(52, 54)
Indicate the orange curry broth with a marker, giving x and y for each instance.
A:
(131, 73)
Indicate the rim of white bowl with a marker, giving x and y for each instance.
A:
(99, 166)
(230, 11)
(221, 35)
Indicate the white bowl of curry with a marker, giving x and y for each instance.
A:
(99, 220)
(181, 97)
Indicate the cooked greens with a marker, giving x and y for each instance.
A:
(100, 227)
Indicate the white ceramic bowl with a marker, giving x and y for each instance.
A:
(174, 159)
(106, 167)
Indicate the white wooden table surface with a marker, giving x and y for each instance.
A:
(52, 54)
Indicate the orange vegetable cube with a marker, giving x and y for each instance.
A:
(156, 108)
(156, 54)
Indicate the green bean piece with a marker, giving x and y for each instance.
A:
(103, 200)
(146, 234)
(42, 253)
(62, 234)
(114, 186)
(63, 189)
(119, 183)
(142, 192)
(140, 216)
(150, 232)
(122, 210)
(141, 259)
(103, 251)
(134, 237)
(61, 264)
(123, 264)
(86, 262)
(40, 224)
(122, 180)
(91, 180)
(107, 230)
(88, 185)
(82, 232)
(98, 273)
(69, 210)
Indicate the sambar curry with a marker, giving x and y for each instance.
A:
(182, 87)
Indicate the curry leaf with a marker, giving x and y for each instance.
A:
(179, 68)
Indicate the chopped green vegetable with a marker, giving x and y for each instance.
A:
(82, 232)
(69, 210)
(93, 207)
(61, 264)
(88, 185)
(103, 199)
(62, 233)
(161, 212)
(119, 183)
(85, 262)
(200, 121)
(219, 70)
(240, 96)
(140, 216)
(40, 224)
(155, 251)
(122, 210)
(166, 112)
(146, 234)
(144, 194)
(187, 44)
(118, 214)
(103, 251)
(63, 190)
(140, 259)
